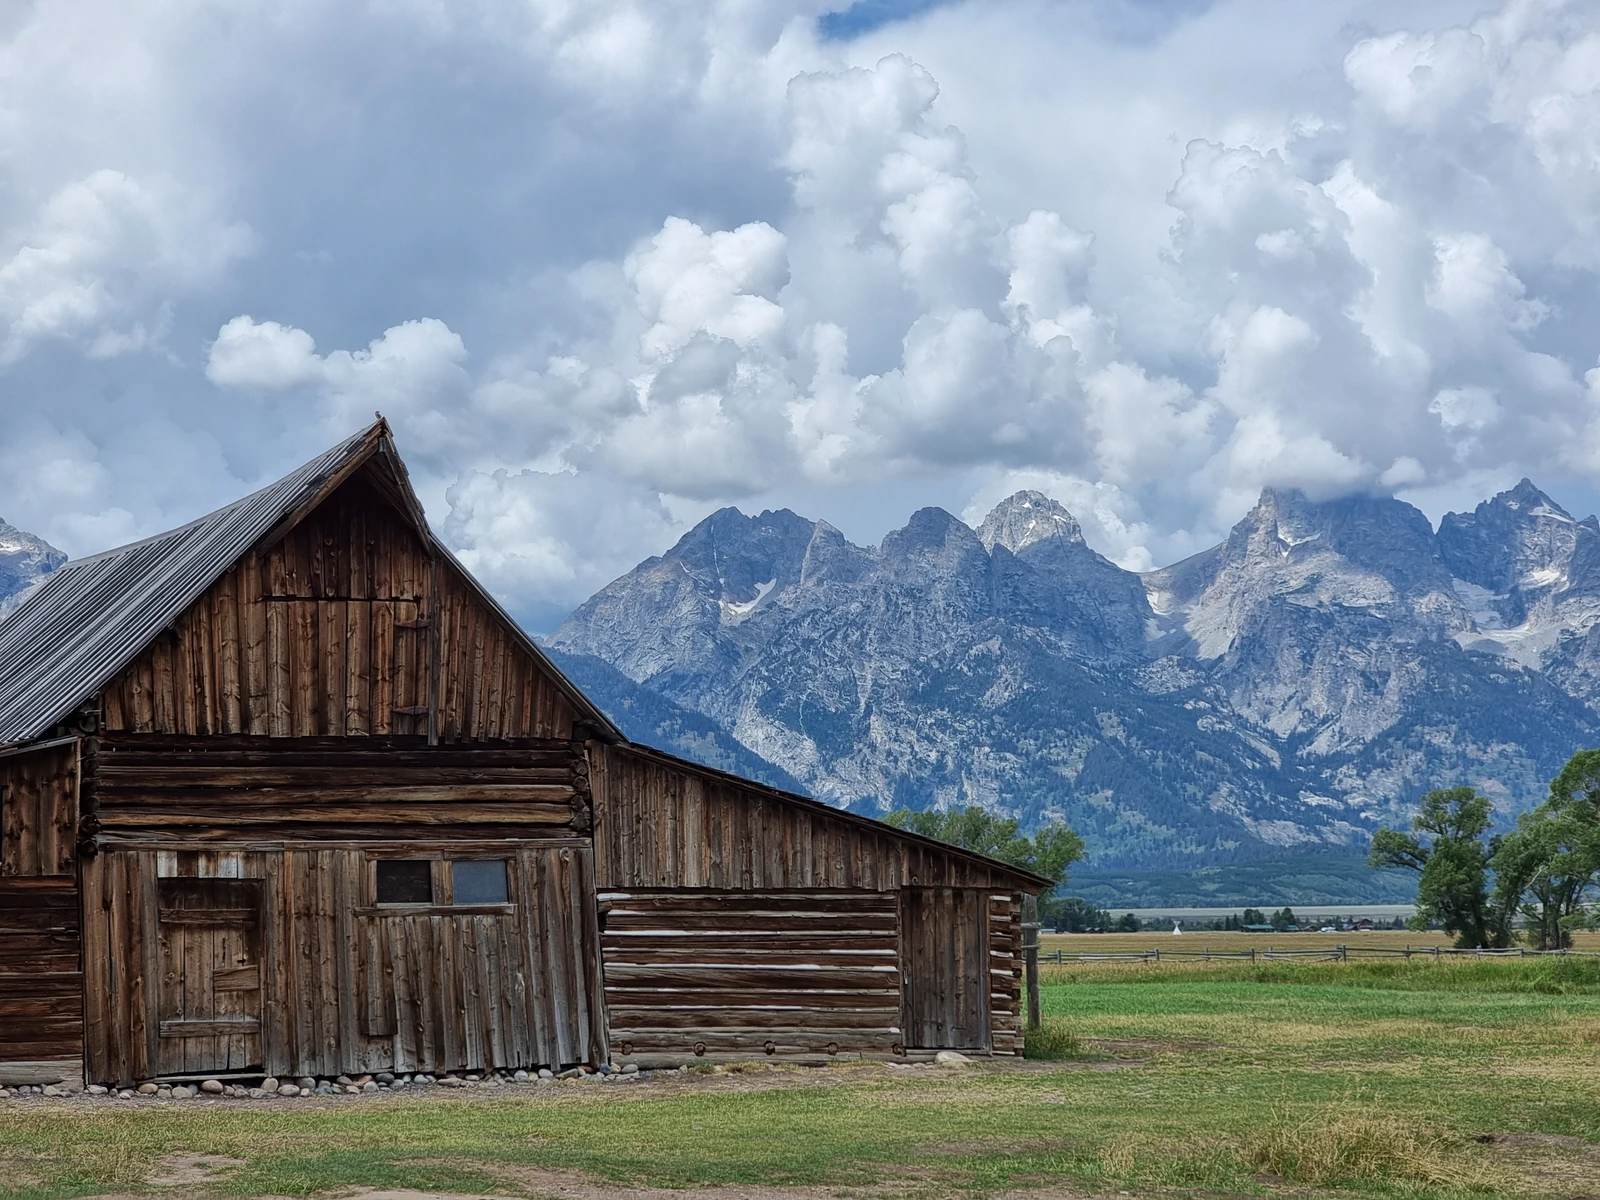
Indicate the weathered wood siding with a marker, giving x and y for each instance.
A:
(153, 789)
(720, 975)
(338, 630)
(660, 823)
(345, 985)
(39, 811)
(957, 964)
(944, 953)
(41, 987)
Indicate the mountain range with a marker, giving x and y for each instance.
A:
(1283, 692)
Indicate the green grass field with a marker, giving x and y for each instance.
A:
(1385, 1079)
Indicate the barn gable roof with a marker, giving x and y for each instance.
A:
(95, 615)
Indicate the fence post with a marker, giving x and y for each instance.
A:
(1158, 953)
(1252, 954)
(1030, 955)
(1436, 952)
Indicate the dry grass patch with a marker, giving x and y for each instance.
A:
(1342, 1144)
(1584, 1032)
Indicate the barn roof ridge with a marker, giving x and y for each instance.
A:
(92, 616)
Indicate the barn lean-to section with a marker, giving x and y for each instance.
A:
(285, 791)
(740, 921)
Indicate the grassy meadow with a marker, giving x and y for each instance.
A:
(1467, 1078)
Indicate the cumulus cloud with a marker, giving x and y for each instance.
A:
(552, 535)
(607, 265)
(101, 257)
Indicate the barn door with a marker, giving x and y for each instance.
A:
(210, 987)
(944, 961)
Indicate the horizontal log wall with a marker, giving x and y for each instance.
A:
(140, 788)
(39, 811)
(662, 823)
(1005, 973)
(41, 986)
(335, 631)
(719, 975)
(349, 987)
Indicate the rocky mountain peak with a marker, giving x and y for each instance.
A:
(1024, 518)
(1518, 541)
(932, 533)
(24, 561)
(1374, 534)
(745, 555)
(1528, 499)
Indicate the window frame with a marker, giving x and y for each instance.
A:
(440, 860)
(505, 876)
(433, 885)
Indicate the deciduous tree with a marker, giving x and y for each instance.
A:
(1049, 852)
(1452, 864)
(1547, 869)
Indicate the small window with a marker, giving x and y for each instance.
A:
(479, 882)
(405, 881)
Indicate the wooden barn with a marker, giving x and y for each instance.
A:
(286, 792)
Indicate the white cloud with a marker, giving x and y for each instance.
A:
(411, 369)
(644, 259)
(1468, 408)
(723, 284)
(263, 354)
(542, 537)
(100, 259)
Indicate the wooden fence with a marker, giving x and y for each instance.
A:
(1061, 958)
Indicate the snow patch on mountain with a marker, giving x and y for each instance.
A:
(744, 608)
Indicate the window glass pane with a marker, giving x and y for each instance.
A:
(479, 882)
(405, 881)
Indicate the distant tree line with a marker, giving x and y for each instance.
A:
(1545, 873)
(1477, 886)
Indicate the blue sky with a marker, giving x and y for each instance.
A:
(608, 266)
